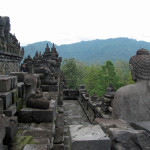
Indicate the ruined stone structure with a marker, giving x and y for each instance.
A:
(38, 112)
(10, 52)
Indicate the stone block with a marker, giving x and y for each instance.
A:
(20, 86)
(60, 101)
(14, 95)
(11, 126)
(20, 75)
(58, 147)
(7, 99)
(112, 123)
(60, 121)
(59, 135)
(53, 105)
(36, 147)
(19, 104)
(14, 81)
(1, 106)
(40, 115)
(47, 88)
(5, 83)
(10, 111)
(2, 128)
(88, 137)
(25, 115)
(37, 133)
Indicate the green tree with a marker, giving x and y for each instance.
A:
(70, 72)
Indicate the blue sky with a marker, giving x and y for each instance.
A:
(70, 21)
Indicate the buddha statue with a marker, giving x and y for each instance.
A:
(132, 102)
(34, 97)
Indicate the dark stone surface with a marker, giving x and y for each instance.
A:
(58, 147)
(7, 99)
(1, 106)
(60, 120)
(20, 75)
(5, 83)
(47, 88)
(11, 125)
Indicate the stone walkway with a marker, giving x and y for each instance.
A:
(73, 115)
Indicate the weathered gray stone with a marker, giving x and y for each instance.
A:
(60, 120)
(142, 125)
(20, 75)
(11, 125)
(19, 104)
(88, 137)
(59, 135)
(129, 139)
(39, 115)
(60, 109)
(1, 106)
(2, 128)
(5, 83)
(37, 133)
(10, 111)
(20, 86)
(36, 147)
(14, 81)
(14, 95)
(112, 123)
(7, 99)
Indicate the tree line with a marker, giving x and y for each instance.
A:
(96, 78)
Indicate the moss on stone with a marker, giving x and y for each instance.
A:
(20, 141)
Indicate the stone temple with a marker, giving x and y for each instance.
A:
(39, 112)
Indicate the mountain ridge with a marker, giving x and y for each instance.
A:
(94, 51)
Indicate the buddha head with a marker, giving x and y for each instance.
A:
(140, 65)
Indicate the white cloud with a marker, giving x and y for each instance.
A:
(70, 21)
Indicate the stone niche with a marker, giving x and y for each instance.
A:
(11, 53)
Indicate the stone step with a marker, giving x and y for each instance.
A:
(28, 115)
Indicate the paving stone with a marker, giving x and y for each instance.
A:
(10, 111)
(5, 83)
(11, 126)
(88, 137)
(7, 99)
(59, 135)
(1, 106)
(58, 147)
(36, 147)
(41, 126)
(142, 125)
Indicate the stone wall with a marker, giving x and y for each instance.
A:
(11, 53)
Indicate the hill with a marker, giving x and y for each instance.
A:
(95, 51)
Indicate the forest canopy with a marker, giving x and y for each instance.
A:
(96, 78)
